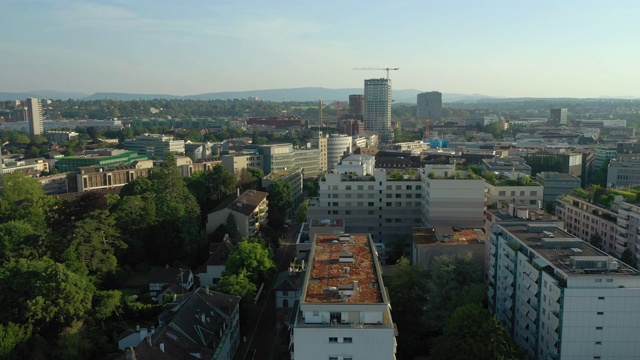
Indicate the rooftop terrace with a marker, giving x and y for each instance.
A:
(343, 269)
(565, 252)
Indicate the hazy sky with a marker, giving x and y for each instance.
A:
(510, 48)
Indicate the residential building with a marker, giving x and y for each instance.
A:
(616, 225)
(383, 204)
(559, 297)
(313, 227)
(429, 106)
(60, 136)
(338, 146)
(203, 324)
(556, 184)
(34, 116)
(287, 289)
(161, 278)
(509, 188)
(320, 142)
(451, 197)
(249, 210)
(377, 112)
(346, 315)
(106, 157)
(157, 146)
(197, 151)
(211, 271)
(558, 116)
(33, 166)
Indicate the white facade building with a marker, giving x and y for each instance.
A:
(451, 197)
(502, 193)
(155, 145)
(338, 145)
(346, 316)
(559, 297)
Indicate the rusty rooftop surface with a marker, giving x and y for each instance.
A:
(331, 256)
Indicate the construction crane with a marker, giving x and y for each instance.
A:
(386, 69)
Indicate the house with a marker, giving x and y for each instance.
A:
(249, 210)
(287, 288)
(201, 325)
(212, 270)
(133, 338)
(169, 280)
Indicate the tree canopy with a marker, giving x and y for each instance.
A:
(253, 258)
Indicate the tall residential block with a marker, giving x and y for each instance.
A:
(356, 107)
(320, 142)
(558, 116)
(34, 115)
(429, 105)
(559, 297)
(344, 311)
(377, 107)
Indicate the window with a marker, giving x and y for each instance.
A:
(333, 357)
(371, 204)
(409, 196)
(398, 196)
(285, 303)
(360, 196)
(600, 297)
(533, 193)
(335, 204)
(334, 212)
(348, 340)
(409, 187)
(598, 327)
(598, 280)
(418, 187)
(316, 313)
(285, 293)
(333, 339)
(348, 196)
(360, 187)
(388, 204)
(502, 193)
(600, 313)
(370, 187)
(609, 280)
(347, 212)
(348, 187)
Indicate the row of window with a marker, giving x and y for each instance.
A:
(513, 193)
(346, 340)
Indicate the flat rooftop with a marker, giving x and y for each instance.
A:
(567, 253)
(343, 269)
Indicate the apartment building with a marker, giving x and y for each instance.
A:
(344, 311)
(249, 209)
(245, 159)
(507, 189)
(559, 297)
(376, 203)
(616, 225)
(451, 197)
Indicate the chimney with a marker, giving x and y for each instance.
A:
(237, 191)
(162, 346)
(202, 318)
(138, 327)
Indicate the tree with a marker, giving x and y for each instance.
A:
(449, 276)
(211, 187)
(94, 242)
(253, 258)
(280, 202)
(408, 287)
(596, 240)
(238, 285)
(628, 258)
(43, 293)
(301, 212)
(472, 333)
(12, 335)
(250, 178)
(232, 226)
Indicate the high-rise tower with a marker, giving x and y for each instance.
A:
(429, 106)
(377, 107)
(34, 115)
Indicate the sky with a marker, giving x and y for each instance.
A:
(579, 48)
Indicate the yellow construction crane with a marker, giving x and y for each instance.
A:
(387, 69)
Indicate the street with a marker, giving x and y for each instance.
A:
(261, 339)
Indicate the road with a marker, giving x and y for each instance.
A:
(261, 338)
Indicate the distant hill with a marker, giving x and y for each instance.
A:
(294, 94)
(41, 94)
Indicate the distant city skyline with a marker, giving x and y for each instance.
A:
(497, 48)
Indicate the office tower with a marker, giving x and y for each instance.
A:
(429, 105)
(377, 107)
(34, 115)
(558, 116)
(356, 107)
